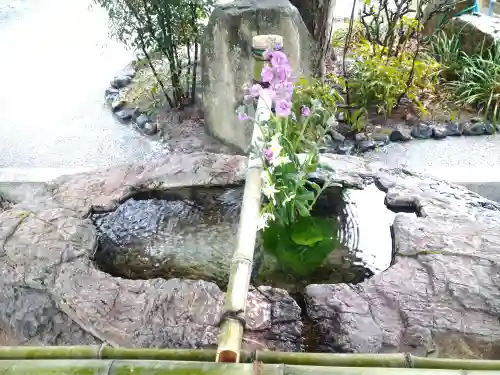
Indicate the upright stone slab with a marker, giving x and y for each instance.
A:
(478, 31)
(227, 61)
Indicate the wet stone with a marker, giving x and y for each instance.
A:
(367, 145)
(422, 131)
(111, 94)
(124, 114)
(400, 135)
(336, 136)
(477, 128)
(490, 128)
(381, 139)
(439, 133)
(142, 120)
(455, 128)
(121, 81)
(150, 128)
(359, 137)
(346, 148)
(117, 104)
(344, 129)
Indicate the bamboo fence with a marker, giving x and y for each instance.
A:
(101, 360)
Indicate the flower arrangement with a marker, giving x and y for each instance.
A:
(288, 156)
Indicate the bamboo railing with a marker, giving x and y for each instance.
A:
(102, 360)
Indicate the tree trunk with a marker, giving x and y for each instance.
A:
(318, 17)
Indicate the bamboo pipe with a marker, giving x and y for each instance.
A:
(231, 334)
(152, 367)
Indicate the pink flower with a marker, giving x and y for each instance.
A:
(278, 58)
(283, 108)
(306, 111)
(283, 90)
(243, 116)
(283, 72)
(267, 74)
(255, 90)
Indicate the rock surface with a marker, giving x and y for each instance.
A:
(477, 27)
(52, 293)
(227, 63)
(441, 297)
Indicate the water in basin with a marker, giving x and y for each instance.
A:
(191, 233)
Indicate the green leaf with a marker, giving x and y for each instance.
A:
(303, 246)
(306, 196)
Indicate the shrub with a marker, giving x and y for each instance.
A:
(169, 28)
(381, 80)
(478, 82)
(448, 52)
(308, 92)
(340, 34)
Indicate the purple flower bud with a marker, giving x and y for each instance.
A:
(243, 116)
(269, 154)
(283, 108)
(278, 58)
(306, 111)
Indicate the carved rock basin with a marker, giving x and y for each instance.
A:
(191, 233)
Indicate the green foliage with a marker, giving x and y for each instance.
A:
(339, 35)
(448, 52)
(478, 82)
(307, 93)
(381, 79)
(303, 246)
(170, 28)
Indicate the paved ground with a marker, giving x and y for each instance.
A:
(56, 62)
(473, 161)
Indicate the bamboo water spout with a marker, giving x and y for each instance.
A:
(241, 266)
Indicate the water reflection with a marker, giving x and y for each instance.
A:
(192, 234)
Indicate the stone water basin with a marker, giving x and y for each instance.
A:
(191, 233)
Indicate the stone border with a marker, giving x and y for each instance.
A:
(113, 94)
(344, 143)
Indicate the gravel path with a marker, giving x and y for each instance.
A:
(59, 62)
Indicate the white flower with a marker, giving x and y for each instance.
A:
(264, 220)
(269, 190)
(274, 145)
(280, 160)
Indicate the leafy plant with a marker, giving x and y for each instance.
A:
(393, 30)
(308, 92)
(303, 246)
(479, 82)
(381, 80)
(340, 34)
(170, 28)
(288, 154)
(448, 52)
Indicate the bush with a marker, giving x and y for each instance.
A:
(169, 28)
(306, 93)
(381, 80)
(478, 82)
(448, 52)
(340, 34)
